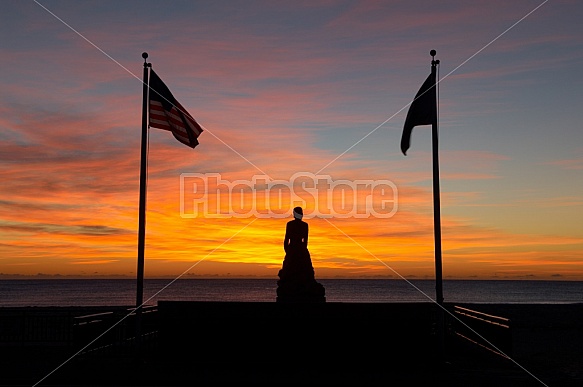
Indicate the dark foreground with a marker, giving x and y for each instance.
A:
(330, 344)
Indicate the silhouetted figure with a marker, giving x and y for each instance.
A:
(297, 281)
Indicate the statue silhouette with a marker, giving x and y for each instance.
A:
(297, 282)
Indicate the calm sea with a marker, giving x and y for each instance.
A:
(122, 292)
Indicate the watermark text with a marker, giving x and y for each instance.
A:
(210, 196)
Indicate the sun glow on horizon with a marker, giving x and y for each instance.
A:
(320, 110)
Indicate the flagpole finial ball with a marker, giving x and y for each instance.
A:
(432, 52)
(144, 55)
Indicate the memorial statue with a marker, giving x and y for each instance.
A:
(297, 282)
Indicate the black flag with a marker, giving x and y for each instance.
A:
(423, 111)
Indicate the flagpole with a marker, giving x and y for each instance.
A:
(142, 210)
(437, 217)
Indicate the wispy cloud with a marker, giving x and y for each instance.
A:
(290, 87)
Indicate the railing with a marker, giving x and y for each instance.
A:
(33, 327)
(89, 329)
(489, 332)
(114, 331)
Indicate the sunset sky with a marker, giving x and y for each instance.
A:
(316, 88)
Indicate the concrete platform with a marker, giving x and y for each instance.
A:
(331, 344)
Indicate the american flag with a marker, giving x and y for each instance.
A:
(168, 114)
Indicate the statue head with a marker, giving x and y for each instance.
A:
(298, 213)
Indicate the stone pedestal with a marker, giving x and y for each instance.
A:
(302, 291)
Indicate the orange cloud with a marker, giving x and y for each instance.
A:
(272, 103)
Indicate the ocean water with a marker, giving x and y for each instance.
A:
(122, 292)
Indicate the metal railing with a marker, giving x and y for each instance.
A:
(114, 331)
(105, 328)
(489, 332)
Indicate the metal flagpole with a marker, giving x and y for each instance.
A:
(437, 217)
(142, 210)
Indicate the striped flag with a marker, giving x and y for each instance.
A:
(168, 114)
